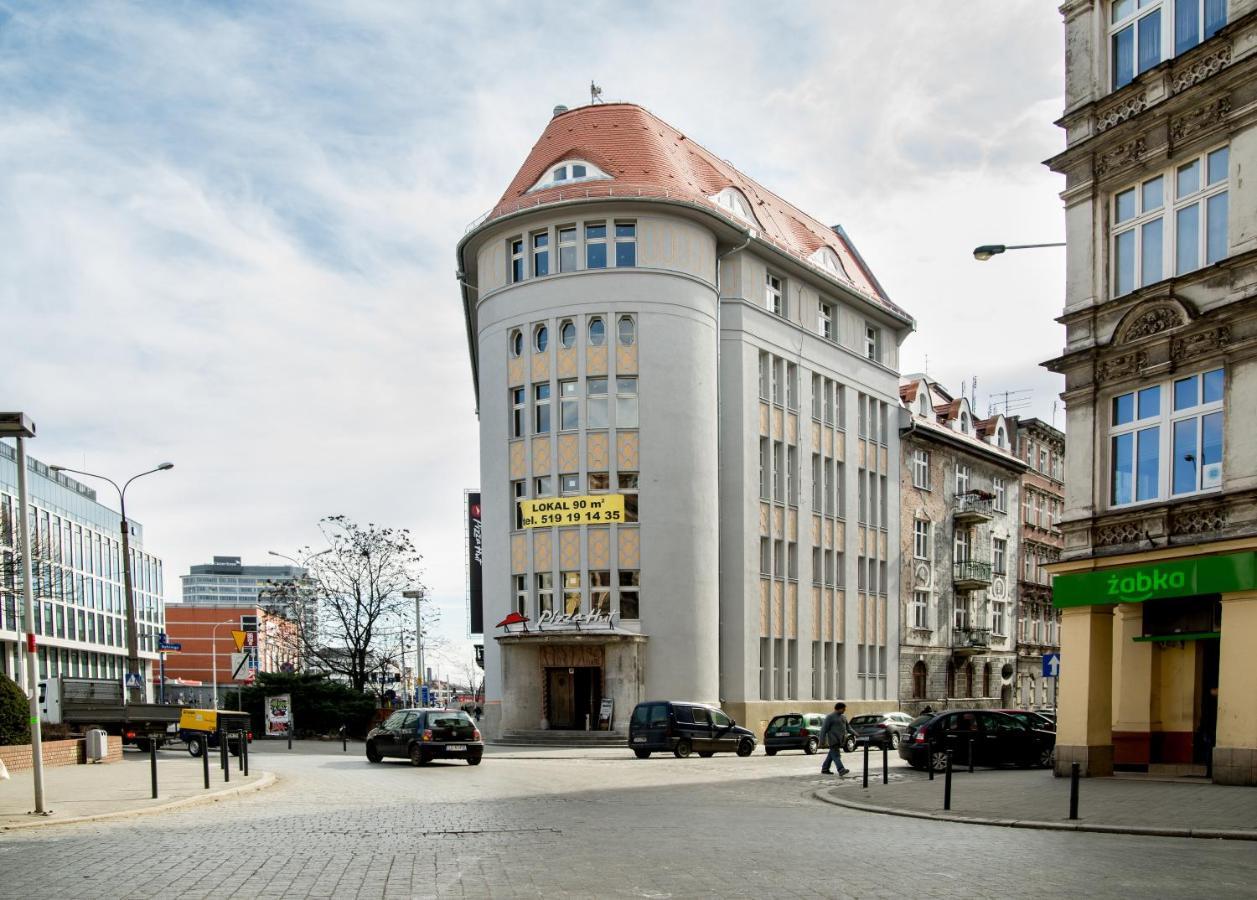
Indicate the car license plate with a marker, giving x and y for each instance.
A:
(455, 746)
(639, 740)
(783, 734)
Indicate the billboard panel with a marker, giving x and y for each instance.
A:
(475, 550)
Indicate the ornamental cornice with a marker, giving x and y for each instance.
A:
(1200, 118)
(1119, 157)
(1200, 69)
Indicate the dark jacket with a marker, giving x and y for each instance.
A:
(835, 729)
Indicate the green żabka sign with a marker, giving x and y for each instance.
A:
(1157, 581)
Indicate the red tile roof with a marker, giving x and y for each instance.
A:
(646, 156)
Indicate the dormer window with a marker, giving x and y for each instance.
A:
(569, 171)
(734, 201)
(999, 437)
(825, 258)
(923, 405)
(964, 422)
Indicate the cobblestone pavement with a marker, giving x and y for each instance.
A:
(587, 824)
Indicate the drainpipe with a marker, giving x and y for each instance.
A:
(750, 235)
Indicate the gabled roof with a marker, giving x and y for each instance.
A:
(647, 157)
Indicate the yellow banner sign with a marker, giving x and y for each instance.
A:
(595, 510)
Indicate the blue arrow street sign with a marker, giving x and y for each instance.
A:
(1051, 665)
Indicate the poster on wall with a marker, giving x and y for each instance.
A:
(475, 547)
(278, 714)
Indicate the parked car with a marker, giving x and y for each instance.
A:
(422, 735)
(686, 728)
(994, 738)
(881, 728)
(793, 731)
(1032, 718)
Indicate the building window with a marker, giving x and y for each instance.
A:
(543, 486)
(600, 592)
(779, 382)
(920, 539)
(817, 397)
(998, 620)
(792, 475)
(545, 592)
(567, 334)
(1197, 229)
(597, 332)
(541, 409)
(541, 253)
(920, 610)
(630, 604)
(873, 342)
(625, 244)
(1180, 421)
(830, 390)
(599, 482)
(779, 471)
(1189, 15)
(596, 403)
(626, 403)
(792, 386)
(518, 403)
(765, 556)
(541, 338)
(519, 491)
(569, 484)
(596, 246)
(962, 479)
(567, 249)
(962, 547)
(1139, 38)
(1001, 494)
(627, 329)
(764, 492)
(517, 260)
(569, 406)
(999, 554)
(521, 594)
(517, 342)
(825, 320)
(774, 295)
(628, 487)
(921, 469)
(960, 617)
(571, 592)
(920, 676)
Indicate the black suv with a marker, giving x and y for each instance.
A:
(422, 735)
(686, 728)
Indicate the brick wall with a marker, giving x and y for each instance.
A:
(17, 758)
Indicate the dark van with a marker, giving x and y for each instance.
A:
(685, 728)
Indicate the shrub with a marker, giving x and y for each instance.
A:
(15, 713)
(319, 704)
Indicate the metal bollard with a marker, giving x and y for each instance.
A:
(947, 783)
(929, 760)
(970, 756)
(152, 761)
(244, 753)
(204, 739)
(885, 764)
(344, 740)
(866, 763)
(224, 758)
(240, 752)
(1074, 771)
(289, 735)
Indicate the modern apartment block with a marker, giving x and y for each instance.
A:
(1157, 581)
(1042, 448)
(686, 390)
(80, 603)
(960, 484)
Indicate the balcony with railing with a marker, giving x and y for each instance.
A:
(973, 507)
(971, 574)
(971, 640)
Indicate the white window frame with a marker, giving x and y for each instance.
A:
(921, 609)
(626, 239)
(872, 342)
(963, 474)
(920, 538)
(921, 469)
(539, 247)
(1001, 494)
(1168, 44)
(565, 241)
(999, 555)
(517, 268)
(775, 294)
(998, 618)
(825, 319)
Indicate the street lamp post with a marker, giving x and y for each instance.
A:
(421, 676)
(986, 251)
(133, 637)
(19, 425)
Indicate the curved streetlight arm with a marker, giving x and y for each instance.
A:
(986, 251)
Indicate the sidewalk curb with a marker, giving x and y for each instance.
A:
(1224, 834)
(265, 780)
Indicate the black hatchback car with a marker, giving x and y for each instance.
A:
(422, 735)
(684, 728)
(993, 738)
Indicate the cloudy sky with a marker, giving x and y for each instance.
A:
(227, 230)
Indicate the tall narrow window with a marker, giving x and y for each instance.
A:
(600, 592)
(596, 402)
(596, 246)
(519, 491)
(626, 403)
(825, 320)
(569, 406)
(920, 613)
(521, 594)
(962, 479)
(625, 244)
(571, 592)
(541, 409)
(545, 592)
(1135, 38)
(630, 604)
(774, 295)
(921, 469)
(567, 249)
(541, 253)
(518, 402)
(999, 555)
(517, 259)
(1001, 494)
(628, 487)
(817, 397)
(921, 539)
(792, 386)
(873, 343)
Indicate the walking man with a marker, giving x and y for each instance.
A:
(834, 735)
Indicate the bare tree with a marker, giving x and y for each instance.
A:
(348, 610)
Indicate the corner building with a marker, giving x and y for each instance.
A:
(648, 325)
(1157, 581)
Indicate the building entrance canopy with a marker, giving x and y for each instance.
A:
(1157, 581)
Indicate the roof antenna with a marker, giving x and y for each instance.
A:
(595, 93)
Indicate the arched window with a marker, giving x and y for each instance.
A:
(986, 681)
(597, 332)
(920, 677)
(964, 422)
(923, 404)
(999, 436)
(567, 334)
(735, 201)
(628, 331)
(825, 258)
(568, 171)
(968, 679)
(517, 342)
(541, 338)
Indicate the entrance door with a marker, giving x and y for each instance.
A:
(1207, 729)
(574, 694)
(562, 691)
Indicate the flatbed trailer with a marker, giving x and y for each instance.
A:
(102, 703)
